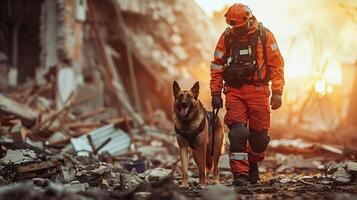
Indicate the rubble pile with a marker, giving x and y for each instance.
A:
(70, 149)
(91, 120)
(343, 172)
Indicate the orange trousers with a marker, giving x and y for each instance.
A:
(248, 105)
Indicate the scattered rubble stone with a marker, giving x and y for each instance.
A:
(156, 174)
(352, 167)
(340, 174)
(219, 191)
(19, 156)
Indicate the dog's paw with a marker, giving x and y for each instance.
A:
(184, 187)
(202, 187)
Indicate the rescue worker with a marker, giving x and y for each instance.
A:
(246, 59)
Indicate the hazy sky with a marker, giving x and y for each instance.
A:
(211, 5)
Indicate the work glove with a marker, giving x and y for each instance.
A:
(275, 101)
(217, 101)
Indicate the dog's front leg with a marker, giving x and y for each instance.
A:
(184, 164)
(200, 159)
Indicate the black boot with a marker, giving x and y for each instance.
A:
(241, 180)
(253, 173)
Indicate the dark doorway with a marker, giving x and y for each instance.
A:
(20, 35)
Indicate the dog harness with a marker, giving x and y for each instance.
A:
(191, 134)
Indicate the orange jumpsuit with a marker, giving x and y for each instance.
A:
(249, 104)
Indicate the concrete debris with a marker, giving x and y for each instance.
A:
(76, 186)
(219, 191)
(87, 116)
(132, 180)
(23, 161)
(287, 180)
(342, 173)
(292, 162)
(341, 176)
(352, 167)
(19, 156)
(156, 174)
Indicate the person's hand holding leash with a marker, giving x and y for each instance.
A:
(217, 101)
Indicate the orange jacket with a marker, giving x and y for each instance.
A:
(274, 60)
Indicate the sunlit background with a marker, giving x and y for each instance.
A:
(318, 42)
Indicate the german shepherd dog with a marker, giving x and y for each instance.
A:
(192, 125)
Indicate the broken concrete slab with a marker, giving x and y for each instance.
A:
(132, 180)
(292, 162)
(92, 174)
(23, 161)
(352, 167)
(19, 156)
(341, 176)
(76, 186)
(341, 173)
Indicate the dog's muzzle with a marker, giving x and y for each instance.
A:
(184, 108)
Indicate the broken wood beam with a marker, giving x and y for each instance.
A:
(91, 113)
(27, 115)
(54, 162)
(80, 125)
(52, 117)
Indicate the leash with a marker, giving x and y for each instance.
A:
(214, 115)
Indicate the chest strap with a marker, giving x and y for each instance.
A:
(261, 33)
(191, 134)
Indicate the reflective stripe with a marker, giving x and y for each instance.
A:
(216, 66)
(274, 47)
(218, 54)
(238, 156)
(244, 52)
(229, 60)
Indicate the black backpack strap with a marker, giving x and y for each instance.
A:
(263, 38)
(227, 42)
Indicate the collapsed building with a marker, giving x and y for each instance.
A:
(140, 46)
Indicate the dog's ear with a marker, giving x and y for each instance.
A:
(175, 88)
(196, 89)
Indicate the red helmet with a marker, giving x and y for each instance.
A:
(238, 15)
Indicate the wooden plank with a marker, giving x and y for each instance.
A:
(9, 106)
(54, 162)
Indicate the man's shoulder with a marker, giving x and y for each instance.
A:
(268, 32)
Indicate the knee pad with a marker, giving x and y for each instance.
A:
(238, 137)
(259, 141)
